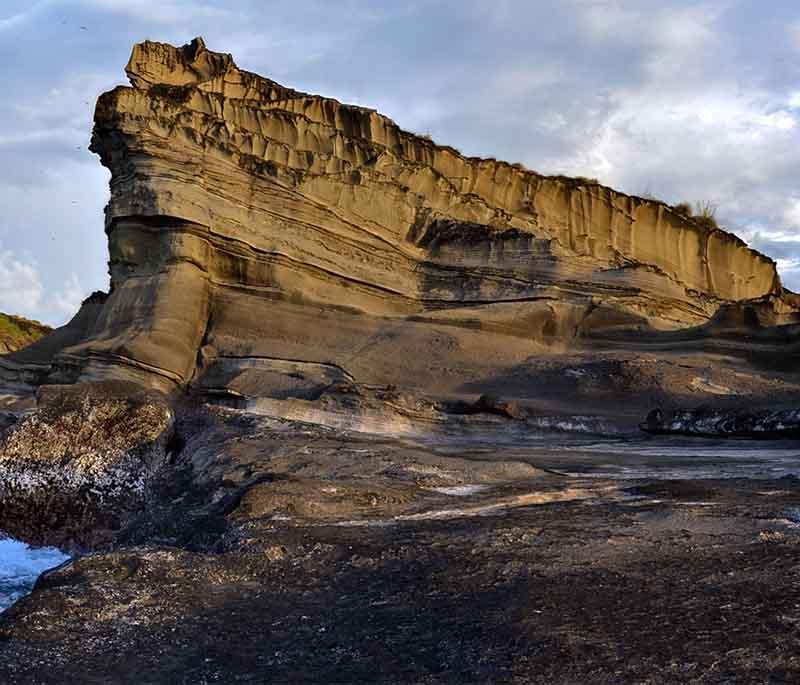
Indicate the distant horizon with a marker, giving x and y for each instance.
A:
(682, 101)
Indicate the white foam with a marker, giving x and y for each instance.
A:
(20, 566)
(460, 490)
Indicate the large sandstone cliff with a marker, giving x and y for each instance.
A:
(259, 234)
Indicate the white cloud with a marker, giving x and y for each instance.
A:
(16, 19)
(792, 214)
(689, 127)
(789, 269)
(675, 31)
(20, 286)
(163, 12)
(67, 302)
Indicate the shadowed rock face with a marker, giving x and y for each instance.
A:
(249, 223)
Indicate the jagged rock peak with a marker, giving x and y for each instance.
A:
(161, 64)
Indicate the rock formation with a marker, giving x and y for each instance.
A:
(314, 264)
(741, 423)
(258, 235)
(72, 471)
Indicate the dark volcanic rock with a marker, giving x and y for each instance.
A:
(71, 470)
(706, 422)
(554, 595)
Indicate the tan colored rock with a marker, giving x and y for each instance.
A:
(251, 225)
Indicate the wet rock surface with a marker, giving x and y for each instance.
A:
(731, 423)
(562, 593)
(274, 550)
(72, 470)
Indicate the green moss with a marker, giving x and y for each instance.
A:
(576, 181)
(17, 332)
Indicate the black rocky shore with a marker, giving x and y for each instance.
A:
(269, 550)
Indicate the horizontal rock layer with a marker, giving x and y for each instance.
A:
(251, 222)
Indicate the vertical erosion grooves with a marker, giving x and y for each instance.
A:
(225, 179)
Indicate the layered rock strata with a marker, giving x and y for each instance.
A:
(252, 227)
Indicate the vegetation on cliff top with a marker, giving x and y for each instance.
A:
(17, 332)
(703, 213)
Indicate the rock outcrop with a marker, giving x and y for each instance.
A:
(268, 239)
(72, 471)
(720, 423)
(314, 265)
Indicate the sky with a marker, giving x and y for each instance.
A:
(681, 100)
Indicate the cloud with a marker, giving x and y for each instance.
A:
(68, 300)
(17, 18)
(790, 273)
(792, 214)
(20, 286)
(162, 12)
(688, 123)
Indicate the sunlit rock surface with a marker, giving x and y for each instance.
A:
(252, 226)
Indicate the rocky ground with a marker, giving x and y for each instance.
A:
(278, 551)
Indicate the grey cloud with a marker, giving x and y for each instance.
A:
(777, 249)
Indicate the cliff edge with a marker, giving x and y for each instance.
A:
(260, 236)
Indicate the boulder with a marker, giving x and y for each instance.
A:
(72, 470)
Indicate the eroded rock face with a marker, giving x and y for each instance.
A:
(252, 226)
(82, 462)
